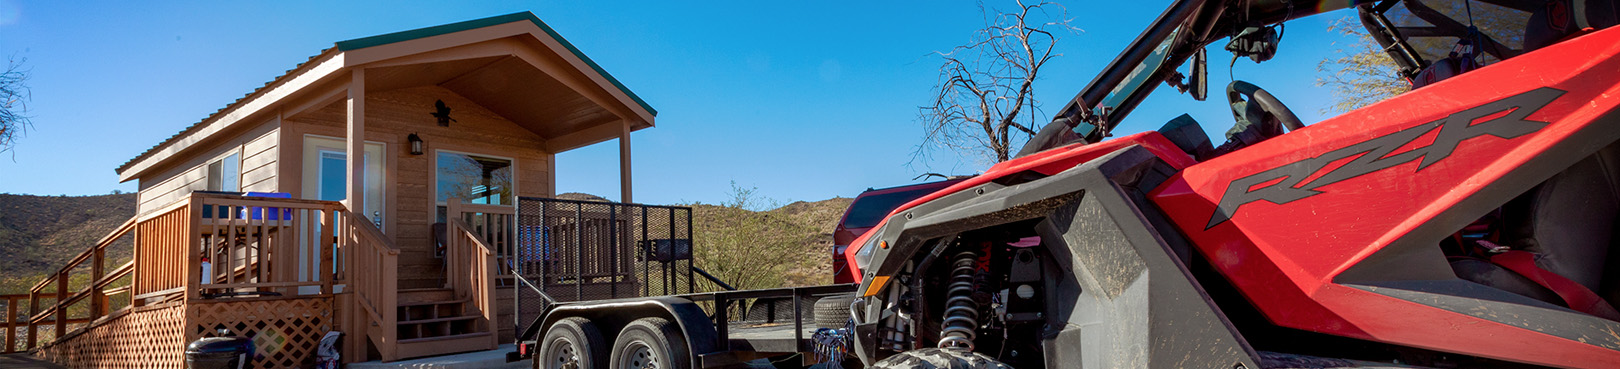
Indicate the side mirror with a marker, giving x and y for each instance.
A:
(1198, 83)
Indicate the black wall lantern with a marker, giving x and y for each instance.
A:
(416, 144)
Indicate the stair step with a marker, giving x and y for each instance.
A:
(436, 320)
(431, 346)
(446, 338)
(433, 302)
(416, 295)
(428, 289)
(421, 283)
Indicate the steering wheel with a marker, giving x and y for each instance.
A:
(1259, 115)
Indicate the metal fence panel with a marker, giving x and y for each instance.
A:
(570, 250)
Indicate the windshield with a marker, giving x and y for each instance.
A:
(1137, 79)
(867, 211)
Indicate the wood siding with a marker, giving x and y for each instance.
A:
(191, 174)
(259, 163)
(393, 115)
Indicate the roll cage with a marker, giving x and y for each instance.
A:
(1187, 26)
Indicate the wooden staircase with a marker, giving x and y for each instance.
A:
(402, 323)
(432, 321)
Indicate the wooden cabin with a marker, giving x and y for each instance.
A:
(257, 217)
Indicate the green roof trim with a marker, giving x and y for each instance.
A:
(384, 39)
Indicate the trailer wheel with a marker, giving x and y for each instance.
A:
(650, 343)
(938, 358)
(833, 311)
(572, 343)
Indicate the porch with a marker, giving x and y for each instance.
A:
(283, 272)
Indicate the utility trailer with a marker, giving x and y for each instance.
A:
(1469, 222)
(615, 264)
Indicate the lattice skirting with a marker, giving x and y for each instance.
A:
(285, 332)
(146, 337)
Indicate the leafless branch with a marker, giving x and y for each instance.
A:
(984, 105)
(14, 96)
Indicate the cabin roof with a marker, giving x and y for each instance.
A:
(184, 137)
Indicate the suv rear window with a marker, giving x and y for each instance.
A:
(869, 210)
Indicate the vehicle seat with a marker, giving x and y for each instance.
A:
(1559, 19)
(1442, 69)
(1569, 222)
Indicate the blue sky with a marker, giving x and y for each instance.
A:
(804, 100)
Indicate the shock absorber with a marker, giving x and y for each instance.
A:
(961, 312)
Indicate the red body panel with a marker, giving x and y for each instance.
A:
(1045, 162)
(1284, 258)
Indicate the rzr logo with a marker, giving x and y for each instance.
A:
(1286, 184)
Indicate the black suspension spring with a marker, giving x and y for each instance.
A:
(961, 312)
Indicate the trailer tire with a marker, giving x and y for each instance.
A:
(833, 311)
(650, 343)
(938, 358)
(572, 340)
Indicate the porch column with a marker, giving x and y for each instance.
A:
(356, 140)
(624, 162)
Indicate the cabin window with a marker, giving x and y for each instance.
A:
(225, 174)
(334, 185)
(474, 179)
(326, 174)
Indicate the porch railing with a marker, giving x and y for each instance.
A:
(196, 265)
(469, 264)
(495, 224)
(95, 289)
(376, 287)
(264, 246)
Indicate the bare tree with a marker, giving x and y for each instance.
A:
(1360, 74)
(14, 98)
(1363, 73)
(983, 104)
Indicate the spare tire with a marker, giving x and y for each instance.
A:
(833, 311)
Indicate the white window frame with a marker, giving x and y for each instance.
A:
(383, 184)
(237, 150)
(433, 183)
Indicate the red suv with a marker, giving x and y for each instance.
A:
(869, 208)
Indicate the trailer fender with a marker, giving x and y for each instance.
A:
(613, 315)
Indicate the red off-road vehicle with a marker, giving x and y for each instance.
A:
(1469, 222)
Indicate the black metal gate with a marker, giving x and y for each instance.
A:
(571, 250)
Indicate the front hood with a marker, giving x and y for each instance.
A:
(1041, 164)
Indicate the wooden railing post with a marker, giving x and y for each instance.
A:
(324, 269)
(61, 298)
(33, 311)
(452, 214)
(135, 260)
(189, 248)
(98, 269)
(11, 324)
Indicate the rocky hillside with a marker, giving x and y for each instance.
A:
(791, 245)
(40, 233)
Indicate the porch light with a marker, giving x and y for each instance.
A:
(416, 144)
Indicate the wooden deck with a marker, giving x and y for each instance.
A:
(282, 272)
